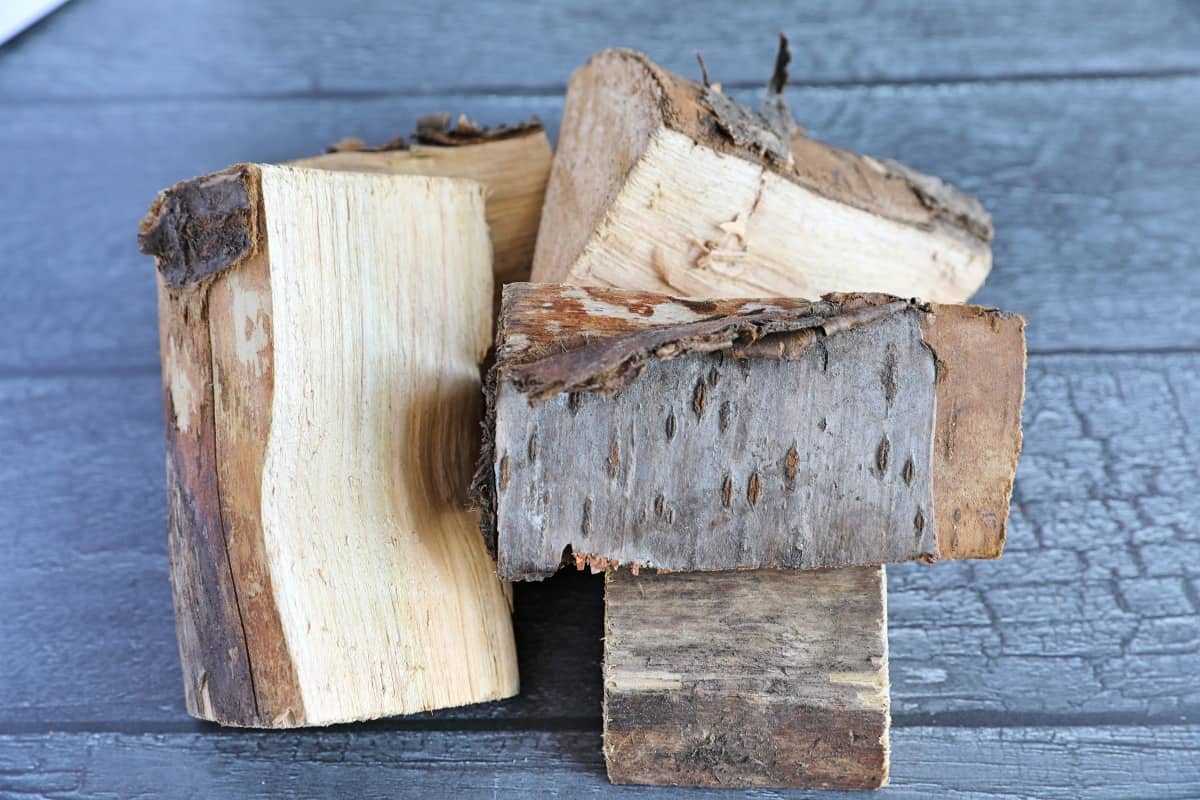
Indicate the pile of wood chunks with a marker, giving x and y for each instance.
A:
(741, 381)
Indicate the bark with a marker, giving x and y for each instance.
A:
(636, 429)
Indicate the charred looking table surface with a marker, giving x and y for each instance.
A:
(1066, 669)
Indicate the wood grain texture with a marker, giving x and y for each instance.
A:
(1050, 763)
(603, 385)
(710, 208)
(1063, 223)
(706, 684)
(512, 168)
(679, 190)
(290, 307)
(226, 47)
(1089, 616)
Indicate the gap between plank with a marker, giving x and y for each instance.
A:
(556, 90)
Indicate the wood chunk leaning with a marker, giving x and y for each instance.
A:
(631, 428)
(320, 425)
(512, 163)
(665, 185)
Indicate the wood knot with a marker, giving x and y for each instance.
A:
(503, 481)
(614, 459)
(754, 488)
(659, 503)
(700, 398)
(586, 526)
(670, 426)
(727, 491)
(791, 467)
(908, 472)
(723, 416)
(574, 400)
(883, 454)
(532, 450)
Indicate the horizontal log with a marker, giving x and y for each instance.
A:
(1066, 223)
(631, 428)
(200, 48)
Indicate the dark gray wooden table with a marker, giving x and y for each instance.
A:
(1071, 668)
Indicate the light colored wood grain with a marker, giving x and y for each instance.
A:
(512, 170)
(651, 190)
(343, 318)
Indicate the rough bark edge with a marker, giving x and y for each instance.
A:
(205, 225)
(703, 112)
(606, 365)
(435, 130)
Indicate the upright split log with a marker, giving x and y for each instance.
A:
(664, 185)
(321, 335)
(632, 428)
(512, 163)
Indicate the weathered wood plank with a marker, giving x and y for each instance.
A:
(1091, 611)
(706, 683)
(1116, 222)
(105, 48)
(1114, 763)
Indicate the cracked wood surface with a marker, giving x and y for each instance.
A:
(266, 395)
(705, 684)
(1008, 143)
(668, 362)
(1090, 614)
(1086, 625)
(985, 763)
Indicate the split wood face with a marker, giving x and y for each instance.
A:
(320, 431)
(643, 430)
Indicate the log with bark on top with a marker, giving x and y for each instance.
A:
(321, 335)
(642, 430)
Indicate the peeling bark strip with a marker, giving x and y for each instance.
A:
(823, 453)
(662, 184)
(269, 390)
(696, 695)
(512, 162)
